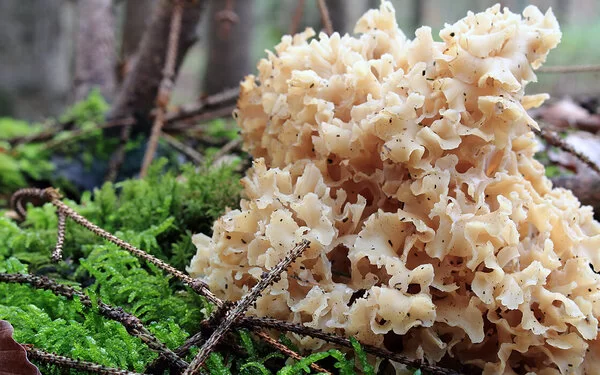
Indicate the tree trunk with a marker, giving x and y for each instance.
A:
(138, 14)
(229, 45)
(96, 58)
(35, 52)
(138, 93)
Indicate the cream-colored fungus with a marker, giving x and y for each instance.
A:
(409, 166)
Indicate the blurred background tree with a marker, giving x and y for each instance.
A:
(44, 43)
(55, 52)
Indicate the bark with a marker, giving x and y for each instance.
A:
(35, 80)
(96, 58)
(229, 45)
(586, 188)
(138, 14)
(138, 93)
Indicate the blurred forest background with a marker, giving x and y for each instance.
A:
(82, 82)
(43, 41)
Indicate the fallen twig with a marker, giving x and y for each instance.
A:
(59, 360)
(234, 143)
(186, 150)
(253, 322)
(78, 133)
(134, 326)
(554, 140)
(165, 88)
(298, 11)
(289, 352)
(118, 156)
(570, 69)
(43, 282)
(217, 105)
(327, 25)
(57, 253)
(242, 305)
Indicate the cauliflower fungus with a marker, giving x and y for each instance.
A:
(409, 166)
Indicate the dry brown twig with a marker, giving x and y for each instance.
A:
(570, 69)
(298, 11)
(212, 106)
(289, 352)
(67, 362)
(253, 322)
(165, 88)
(186, 150)
(77, 134)
(60, 238)
(242, 305)
(229, 146)
(327, 25)
(554, 140)
(117, 158)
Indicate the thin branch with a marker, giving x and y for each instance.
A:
(118, 156)
(26, 194)
(62, 361)
(213, 104)
(253, 322)
(298, 11)
(287, 351)
(325, 19)
(51, 195)
(132, 324)
(166, 86)
(570, 69)
(158, 366)
(57, 253)
(234, 143)
(80, 133)
(186, 150)
(51, 127)
(242, 305)
(554, 139)
(42, 282)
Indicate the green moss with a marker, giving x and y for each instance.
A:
(153, 214)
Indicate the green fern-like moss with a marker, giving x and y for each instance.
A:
(153, 214)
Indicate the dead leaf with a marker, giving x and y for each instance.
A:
(13, 357)
(568, 114)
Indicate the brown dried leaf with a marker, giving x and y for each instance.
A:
(13, 357)
(567, 113)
